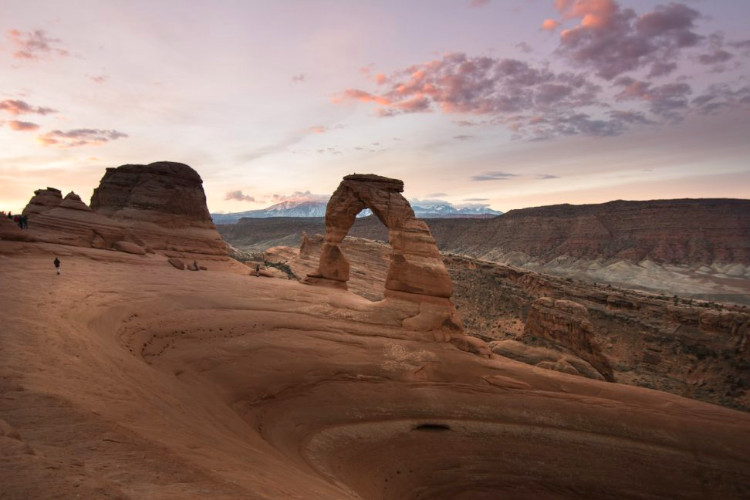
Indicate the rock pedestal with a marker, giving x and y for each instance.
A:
(415, 274)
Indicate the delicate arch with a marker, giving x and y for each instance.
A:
(415, 267)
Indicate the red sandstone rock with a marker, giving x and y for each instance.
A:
(415, 272)
(74, 202)
(565, 324)
(163, 203)
(43, 200)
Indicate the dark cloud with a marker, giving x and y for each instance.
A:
(715, 57)
(524, 47)
(238, 196)
(18, 107)
(547, 176)
(667, 100)
(22, 126)
(300, 78)
(437, 195)
(493, 176)
(463, 137)
(79, 137)
(612, 41)
(34, 45)
(721, 96)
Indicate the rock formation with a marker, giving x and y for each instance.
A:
(43, 200)
(163, 203)
(566, 325)
(415, 274)
(74, 202)
(136, 209)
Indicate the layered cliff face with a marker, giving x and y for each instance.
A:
(691, 247)
(136, 208)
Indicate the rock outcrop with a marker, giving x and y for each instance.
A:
(43, 200)
(163, 203)
(416, 273)
(74, 202)
(566, 325)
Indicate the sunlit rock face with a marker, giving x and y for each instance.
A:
(416, 273)
(163, 203)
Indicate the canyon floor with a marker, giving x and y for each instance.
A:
(127, 378)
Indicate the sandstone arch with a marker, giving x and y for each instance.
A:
(416, 273)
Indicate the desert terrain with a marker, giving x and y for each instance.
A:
(129, 376)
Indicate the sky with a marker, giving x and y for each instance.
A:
(504, 103)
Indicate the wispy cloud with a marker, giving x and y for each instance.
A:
(547, 176)
(238, 195)
(22, 126)
(99, 78)
(493, 176)
(35, 45)
(18, 107)
(470, 200)
(300, 196)
(299, 78)
(437, 195)
(479, 3)
(79, 137)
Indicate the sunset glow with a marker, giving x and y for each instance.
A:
(507, 103)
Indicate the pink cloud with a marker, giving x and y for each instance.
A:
(22, 126)
(18, 107)
(79, 137)
(99, 78)
(550, 24)
(612, 41)
(318, 129)
(479, 3)
(35, 45)
(238, 196)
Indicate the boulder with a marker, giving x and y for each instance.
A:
(129, 247)
(177, 263)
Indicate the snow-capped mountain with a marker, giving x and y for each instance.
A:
(423, 209)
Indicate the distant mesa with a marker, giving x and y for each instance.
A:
(416, 273)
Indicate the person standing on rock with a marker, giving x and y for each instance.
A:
(57, 265)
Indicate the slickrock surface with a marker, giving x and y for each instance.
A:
(127, 378)
(698, 349)
(415, 273)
